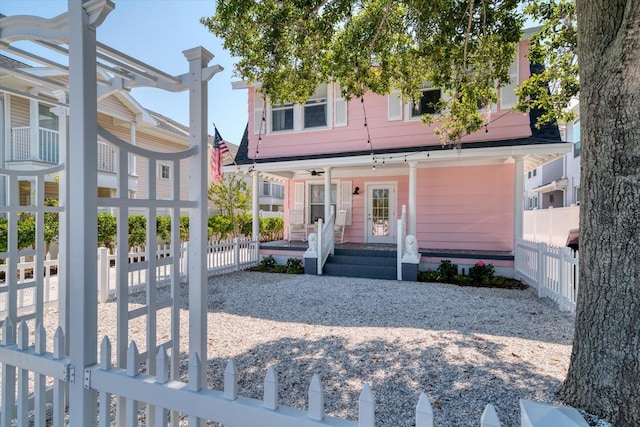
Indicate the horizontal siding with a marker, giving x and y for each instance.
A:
(458, 208)
(19, 111)
(382, 132)
(112, 106)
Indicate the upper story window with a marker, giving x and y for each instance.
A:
(164, 171)
(315, 109)
(428, 103)
(282, 117)
(324, 109)
(47, 119)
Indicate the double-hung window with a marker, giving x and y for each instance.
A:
(316, 200)
(282, 117)
(315, 109)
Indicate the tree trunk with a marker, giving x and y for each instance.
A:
(604, 375)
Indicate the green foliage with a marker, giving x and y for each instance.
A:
(184, 228)
(163, 228)
(268, 262)
(107, 230)
(233, 197)
(271, 229)
(290, 47)
(137, 230)
(26, 231)
(51, 223)
(295, 266)
(480, 275)
(220, 227)
(481, 271)
(447, 270)
(554, 47)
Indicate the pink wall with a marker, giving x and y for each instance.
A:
(466, 207)
(505, 124)
(457, 207)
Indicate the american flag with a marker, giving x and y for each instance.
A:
(219, 148)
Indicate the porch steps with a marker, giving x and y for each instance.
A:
(370, 264)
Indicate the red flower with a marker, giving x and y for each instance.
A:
(480, 264)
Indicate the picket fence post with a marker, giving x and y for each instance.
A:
(103, 274)
(424, 412)
(489, 417)
(366, 408)
(541, 247)
(236, 253)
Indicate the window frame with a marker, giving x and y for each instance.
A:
(324, 93)
(410, 106)
(335, 190)
(161, 168)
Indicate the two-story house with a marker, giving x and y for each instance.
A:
(371, 156)
(33, 111)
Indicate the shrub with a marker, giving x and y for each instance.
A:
(447, 270)
(481, 272)
(137, 230)
(268, 262)
(295, 266)
(107, 229)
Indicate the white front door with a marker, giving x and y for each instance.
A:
(380, 221)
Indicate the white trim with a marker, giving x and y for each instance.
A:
(393, 208)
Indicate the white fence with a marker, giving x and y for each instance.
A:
(222, 257)
(553, 270)
(550, 225)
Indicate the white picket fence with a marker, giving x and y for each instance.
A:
(161, 395)
(222, 257)
(553, 270)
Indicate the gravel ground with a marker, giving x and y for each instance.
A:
(463, 347)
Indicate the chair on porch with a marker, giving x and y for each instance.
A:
(296, 224)
(339, 226)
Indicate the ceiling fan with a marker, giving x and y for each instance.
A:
(315, 172)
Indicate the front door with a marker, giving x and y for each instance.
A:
(380, 221)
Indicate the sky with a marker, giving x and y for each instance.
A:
(156, 32)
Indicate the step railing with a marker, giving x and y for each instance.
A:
(326, 244)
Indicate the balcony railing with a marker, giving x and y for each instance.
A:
(48, 148)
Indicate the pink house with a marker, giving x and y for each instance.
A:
(463, 203)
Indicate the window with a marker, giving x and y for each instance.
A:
(316, 200)
(164, 171)
(315, 109)
(535, 172)
(282, 117)
(428, 103)
(529, 174)
(552, 199)
(47, 119)
(577, 194)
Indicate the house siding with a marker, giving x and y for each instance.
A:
(19, 111)
(380, 132)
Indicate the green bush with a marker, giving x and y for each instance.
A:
(107, 229)
(481, 271)
(137, 230)
(294, 266)
(268, 262)
(447, 270)
(220, 227)
(271, 229)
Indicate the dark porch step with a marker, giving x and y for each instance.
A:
(365, 253)
(363, 271)
(363, 260)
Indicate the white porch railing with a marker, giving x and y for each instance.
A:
(20, 143)
(552, 270)
(107, 155)
(326, 236)
(402, 233)
(48, 144)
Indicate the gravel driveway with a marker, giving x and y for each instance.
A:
(464, 347)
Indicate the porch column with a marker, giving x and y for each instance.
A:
(255, 198)
(82, 204)
(413, 185)
(198, 58)
(327, 193)
(518, 204)
(34, 125)
(132, 141)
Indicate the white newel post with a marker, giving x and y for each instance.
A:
(255, 199)
(198, 77)
(327, 193)
(82, 203)
(413, 194)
